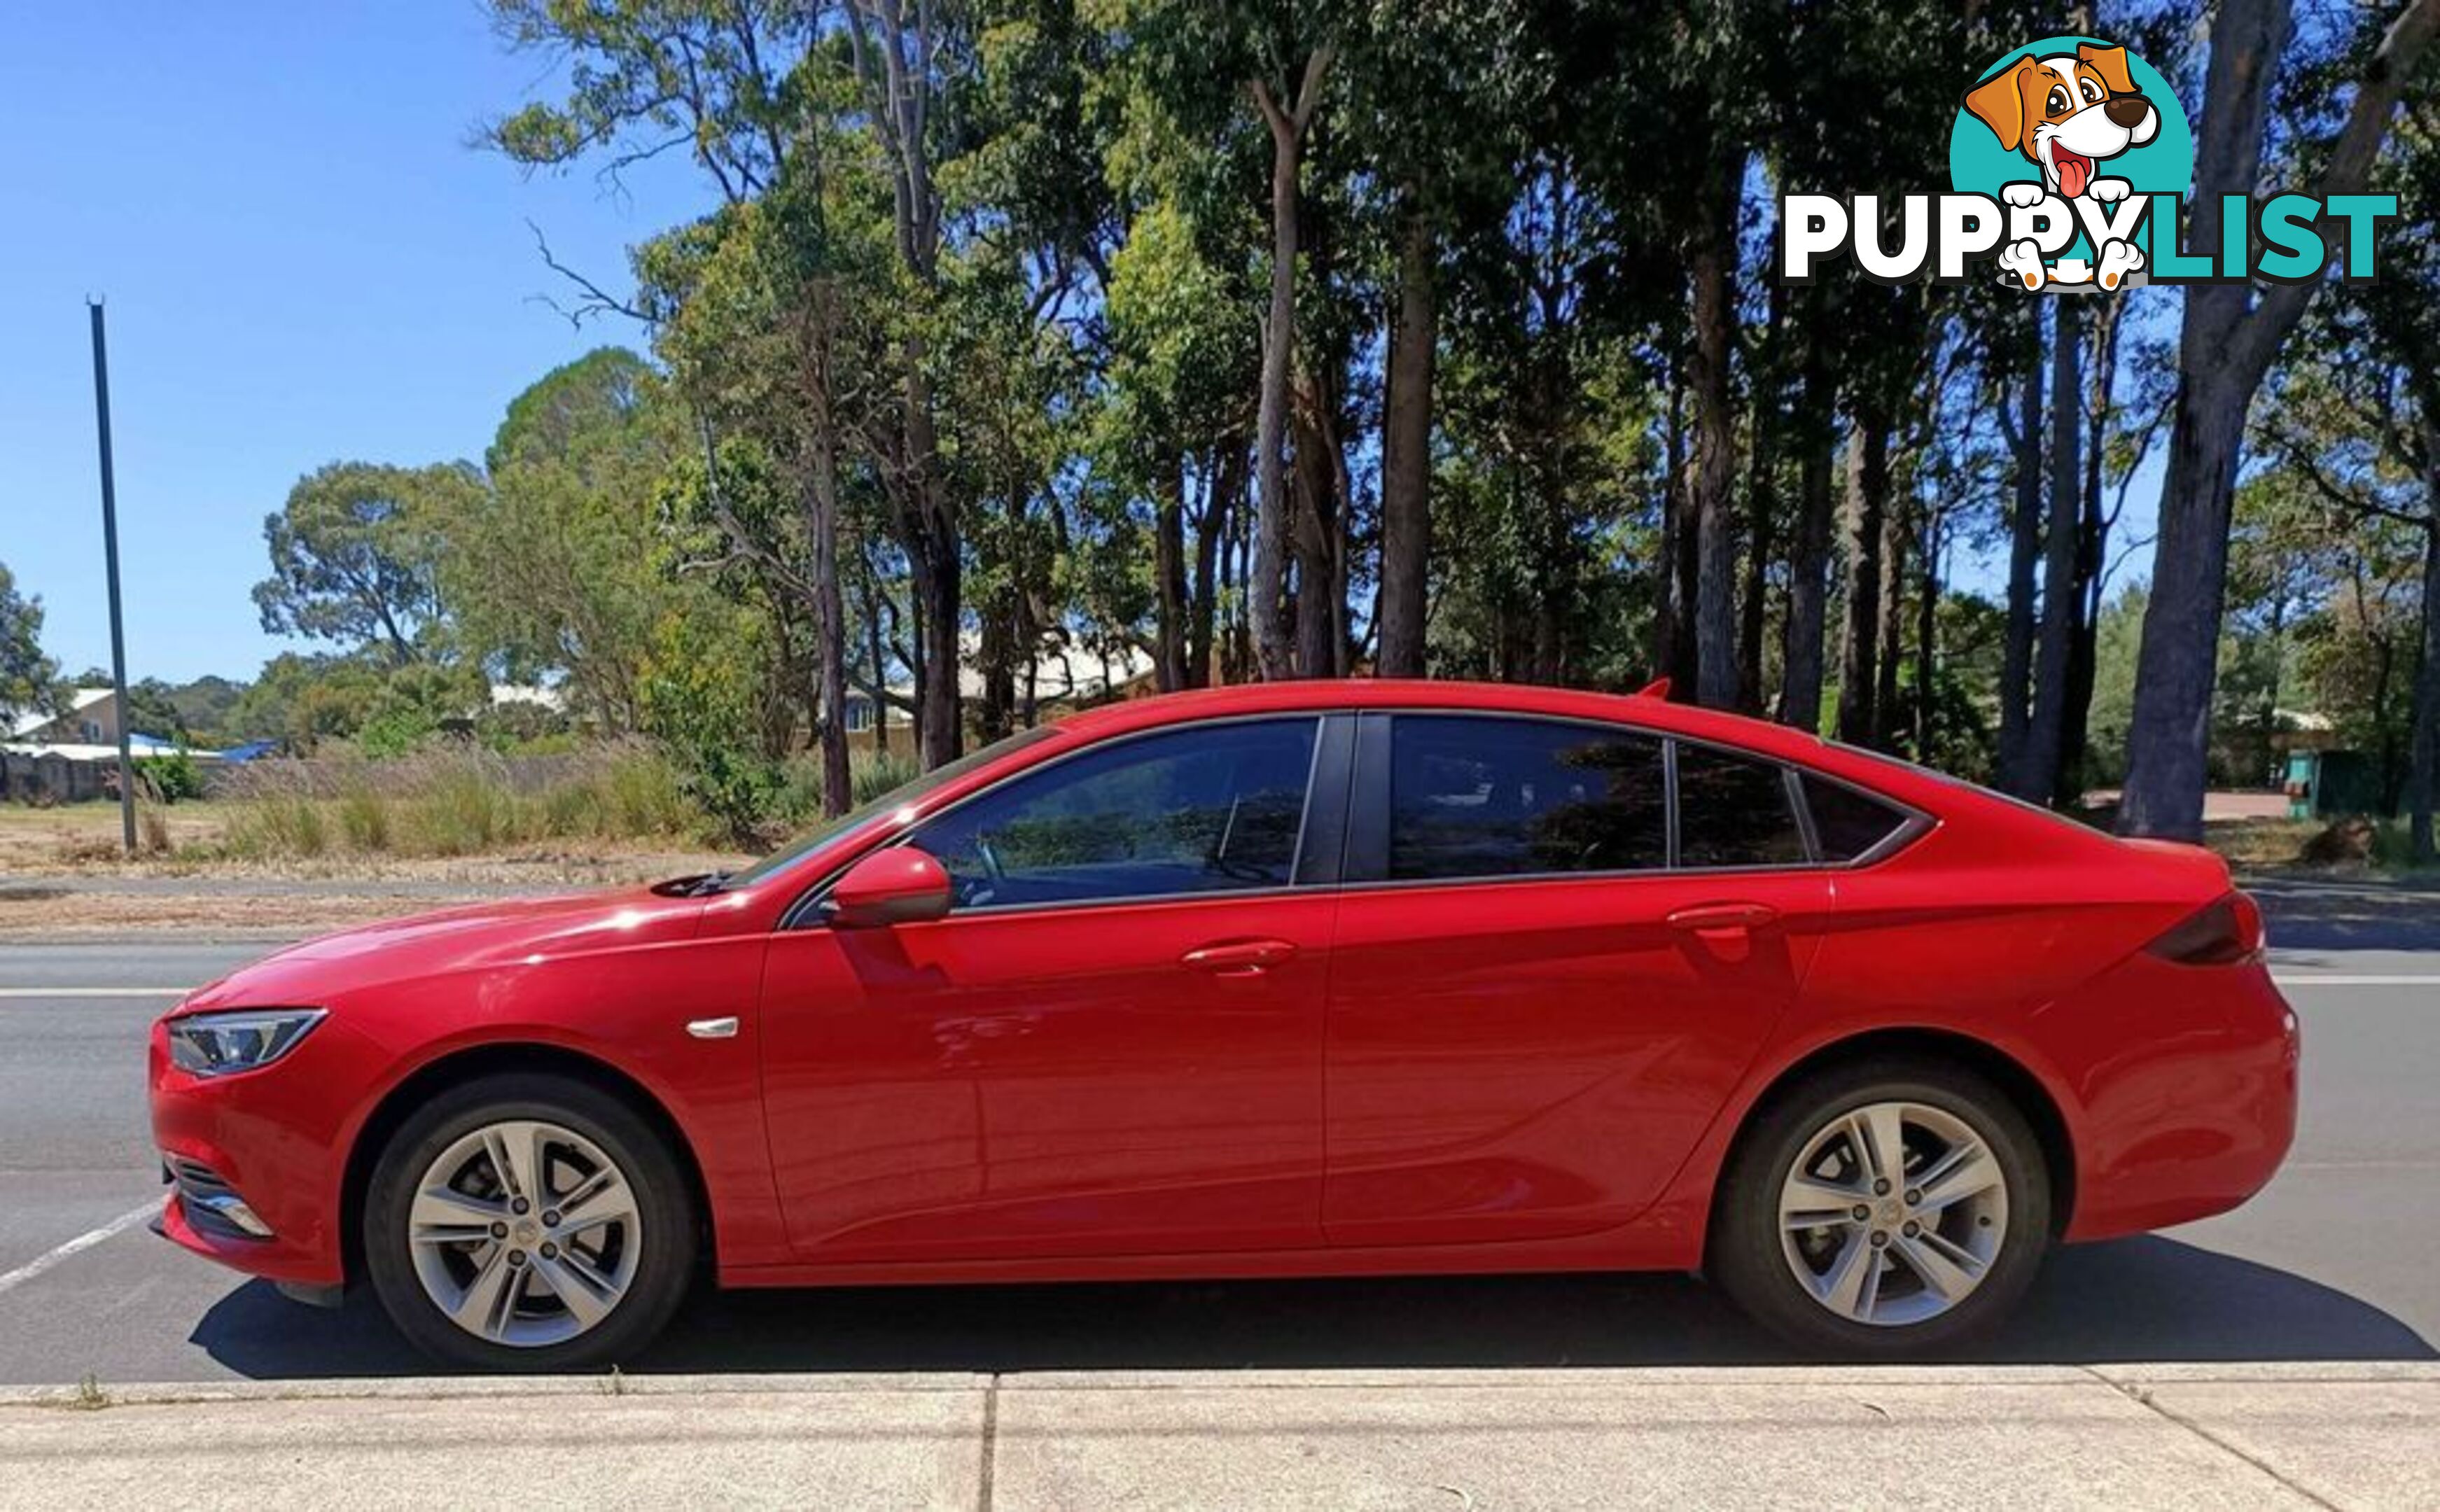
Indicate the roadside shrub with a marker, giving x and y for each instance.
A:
(172, 779)
(277, 824)
(639, 794)
(703, 709)
(876, 773)
(395, 732)
(460, 811)
(364, 818)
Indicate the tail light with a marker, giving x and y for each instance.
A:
(2223, 934)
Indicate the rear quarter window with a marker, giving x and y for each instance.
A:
(1847, 823)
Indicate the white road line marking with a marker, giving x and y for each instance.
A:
(77, 1246)
(2357, 981)
(95, 991)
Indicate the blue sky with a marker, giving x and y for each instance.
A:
(302, 260)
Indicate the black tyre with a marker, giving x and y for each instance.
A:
(1846, 1249)
(529, 1222)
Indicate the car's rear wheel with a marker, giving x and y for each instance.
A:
(1883, 1209)
(528, 1223)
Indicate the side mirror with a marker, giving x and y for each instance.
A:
(899, 885)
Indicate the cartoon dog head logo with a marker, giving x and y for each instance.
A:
(2068, 119)
(2067, 114)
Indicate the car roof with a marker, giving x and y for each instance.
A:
(1653, 713)
(1928, 792)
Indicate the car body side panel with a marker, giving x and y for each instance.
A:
(1534, 1059)
(2175, 1084)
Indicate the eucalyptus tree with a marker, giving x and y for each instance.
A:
(355, 555)
(1438, 95)
(2231, 335)
(561, 565)
(26, 675)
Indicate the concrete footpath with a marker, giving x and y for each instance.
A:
(2185, 1435)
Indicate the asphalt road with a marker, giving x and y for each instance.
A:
(2336, 1260)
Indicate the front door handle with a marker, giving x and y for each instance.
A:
(1722, 919)
(1238, 957)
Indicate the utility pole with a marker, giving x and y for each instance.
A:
(110, 560)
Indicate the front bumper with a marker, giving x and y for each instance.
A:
(260, 1149)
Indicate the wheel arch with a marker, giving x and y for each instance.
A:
(2015, 1080)
(527, 1056)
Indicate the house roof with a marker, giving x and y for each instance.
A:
(78, 700)
(535, 694)
(1062, 673)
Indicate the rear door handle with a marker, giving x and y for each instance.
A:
(1238, 957)
(1714, 918)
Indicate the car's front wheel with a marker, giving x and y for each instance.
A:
(1883, 1209)
(528, 1223)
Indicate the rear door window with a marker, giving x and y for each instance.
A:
(1733, 810)
(1474, 795)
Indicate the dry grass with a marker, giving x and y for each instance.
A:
(452, 803)
(2262, 845)
(33, 911)
(86, 834)
(2320, 847)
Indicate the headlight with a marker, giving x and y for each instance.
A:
(214, 1044)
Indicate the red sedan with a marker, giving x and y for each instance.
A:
(1302, 978)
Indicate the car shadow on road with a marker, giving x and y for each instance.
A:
(2143, 1299)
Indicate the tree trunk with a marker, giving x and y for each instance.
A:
(1236, 639)
(1867, 466)
(2423, 774)
(2091, 542)
(996, 655)
(1169, 571)
(2039, 775)
(1268, 576)
(1800, 699)
(1406, 449)
(1761, 502)
(2225, 345)
(936, 561)
(1313, 514)
(1897, 538)
(821, 526)
(1712, 260)
(1223, 480)
(2169, 734)
(1808, 590)
(1927, 631)
(873, 597)
(2024, 547)
(1670, 628)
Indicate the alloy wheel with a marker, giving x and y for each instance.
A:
(525, 1233)
(1892, 1213)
